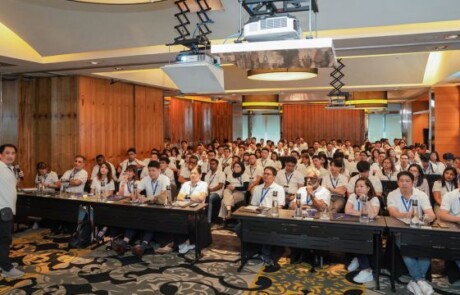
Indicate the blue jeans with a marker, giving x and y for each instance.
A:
(146, 237)
(417, 267)
(213, 202)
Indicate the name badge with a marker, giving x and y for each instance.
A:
(286, 186)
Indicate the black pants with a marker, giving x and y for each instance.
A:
(5, 242)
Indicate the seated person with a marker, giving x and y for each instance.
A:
(254, 172)
(215, 179)
(400, 206)
(99, 160)
(46, 177)
(313, 195)
(194, 191)
(388, 171)
(427, 166)
(235, 189)
(420, 181)
(167, 171)
(184, 174)
(290, 179)
(363, 187)
(75, 178)
(129, 182)
(131, 160)
(364, 171)
(403, 164)
(154, 185)
(446, 184)
(154, 156)
(336, 183)
(450, 208)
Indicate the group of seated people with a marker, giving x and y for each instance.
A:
(330, 175)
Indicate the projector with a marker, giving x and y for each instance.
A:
(196, 73)
(272, 28)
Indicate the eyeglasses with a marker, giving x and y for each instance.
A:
(312, 178)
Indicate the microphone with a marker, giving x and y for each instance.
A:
(17, 171)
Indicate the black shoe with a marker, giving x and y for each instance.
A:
(120, 246)
(108, 246)
(272, 268)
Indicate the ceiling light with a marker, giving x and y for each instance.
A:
(118, 69)
(441, 47)
(451, 37)
(94, 62)
(283, 74)
(118, 2)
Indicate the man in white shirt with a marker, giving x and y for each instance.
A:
(265, 161)
(313, 195)
(165, 170)
(336, 183)
(215, 179)
(399, 205)
(132, 160)
(254, 172)
(153, 157)
(330, 150)
(376, 167)
(8, 196)
(184, 174)
(75, 178)
(226, 159)
(317, 165)
(403, 163)
(99, 160)
(364, 171)
(291, 180)
(427, 167)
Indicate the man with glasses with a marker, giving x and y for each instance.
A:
(291, 180)
(76, 177)
(313, 195)
(184, 174)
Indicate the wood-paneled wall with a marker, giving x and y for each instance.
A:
(314, 122)
(447, 120)
(419, 121)
(180, 120)
(222, 121)
(9, 112)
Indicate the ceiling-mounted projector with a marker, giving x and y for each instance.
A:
(272, 28)
(196, 72)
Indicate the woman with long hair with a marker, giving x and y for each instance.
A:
(420, 181)
(388, 172)
(446, 184)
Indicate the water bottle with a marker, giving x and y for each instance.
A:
(275, 211)
(325, 213)
(298, 207)
(103, 190)
(364, 215)
(135, 189)
(415, 218)
(168, 200)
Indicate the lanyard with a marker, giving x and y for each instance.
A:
(263, 163)
(240, 181)
(359, 203)
(407, 205)
(129, 184)
(450, 187)
(288, 179)
(332, 182)
(389, 176)
(264, 194)
(192, 188)
(154, 188)
(252, 171)
(72, 175)
(211, 178)
(42, 178)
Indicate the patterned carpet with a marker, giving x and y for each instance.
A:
(54, 269)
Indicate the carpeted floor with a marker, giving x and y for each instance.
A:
(54, 269)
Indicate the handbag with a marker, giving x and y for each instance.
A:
(6, 214)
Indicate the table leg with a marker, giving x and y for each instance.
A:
(197, 238)
(392, 262)
(378, 242)
(243, 259)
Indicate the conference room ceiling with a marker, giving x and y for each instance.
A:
(385, 45)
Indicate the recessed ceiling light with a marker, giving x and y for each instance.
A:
(94, 62)
(118, 68)
(451, 36)
(441, 47)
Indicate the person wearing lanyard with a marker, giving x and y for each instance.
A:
(399, 203)
(427, 166)
(194, 191)
(8, 196)
(128, 182)
(48, 178)
(265, 161)
(336, 183)
(363, 187)
(215, 179)
(364, 171)
(99, 160)
(446, 184)
(227, 158)
(254, 173)
(291, 180)
(236, 186)
(132, 160)
(388, 171)
(450, 209)
(77, 177)
(185, 171)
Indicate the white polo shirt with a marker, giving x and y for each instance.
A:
(127, 163)
(302, 168)
(213, 179)
(96, 170)
(292, 182)
(129, 187)
(264, 196)
(252, 172)
(321, 193)
(376, 183)
(266, 163)
(238, 181)
(437, 187)
(396, 200)
(96, 185)
(184, 172)
(356, 203)
(72, 175)
(451, 202)
(188, 189)
(153, 187)
(170, 174)
(8, 193)
(49, 178)
(330, 182)
(387, 177)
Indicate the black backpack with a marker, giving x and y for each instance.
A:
(84, 234)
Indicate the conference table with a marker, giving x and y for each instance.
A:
(341, 233)
(440, 240)
(117, 213)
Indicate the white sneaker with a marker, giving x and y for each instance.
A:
(414, 288)
(364, 276)
(425, 287)
(354, 264)
(14, 273)
(186, 248)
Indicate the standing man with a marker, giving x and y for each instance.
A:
(8, 197)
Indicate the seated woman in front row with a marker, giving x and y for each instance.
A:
(363, 188)
(194, 191)
(236, 186)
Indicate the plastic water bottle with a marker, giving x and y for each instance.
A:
(168, 200)
(415, 218)
(275, 211)
(298, 207)
(364, 216)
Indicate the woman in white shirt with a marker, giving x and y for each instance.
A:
(434, 160)
(420, 181)
(236, 186)
(129, 182)
(446, 184)
(194, 191)
(48, 178)
(388, 172)
(363, 188)
(276, 159)
(103, 183)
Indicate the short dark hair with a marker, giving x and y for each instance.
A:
(214, 160)
(291, 160)
(363, 166)
(131, 150)
(7, 145)
(165, 159)
(100, 156)
(272, 169)
(406, 173)
(154, 164)
(337, 163)
(81, 157)
(41, 165)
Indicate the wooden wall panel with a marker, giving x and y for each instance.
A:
(9, 112)
(201, 122)
(420, 121)
(314, 122)
(181, 120)
(447, 120)
(148, 120)
(26, 128)
(222, 121)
